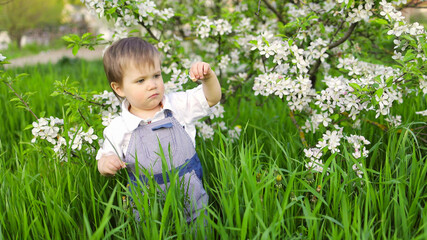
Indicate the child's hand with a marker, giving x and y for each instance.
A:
(109, 165)
(200, 71)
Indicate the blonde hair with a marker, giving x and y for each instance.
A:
(124, 52)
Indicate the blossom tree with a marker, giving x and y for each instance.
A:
(331, 61)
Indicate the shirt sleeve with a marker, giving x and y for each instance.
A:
(191, 105)
(112, 142)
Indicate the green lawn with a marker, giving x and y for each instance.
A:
(43, 198)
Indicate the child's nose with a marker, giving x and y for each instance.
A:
(152, 84)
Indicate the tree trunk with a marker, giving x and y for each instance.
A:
(16, 36)
(18, 40)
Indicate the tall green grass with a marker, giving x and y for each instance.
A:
(258, 186)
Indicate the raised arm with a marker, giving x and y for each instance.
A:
(211, 87)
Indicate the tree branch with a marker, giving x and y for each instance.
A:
(82, 99)
(22, 100)
(340, 41)
(143, 25)
(259, 5)
(279, 16)
(345, 37)
(84, 119)
(149, 31)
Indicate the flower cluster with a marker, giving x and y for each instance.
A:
(331, 141)
(129, 14)
(315, 163)
(358, 170)
(51, 129)
(286, 64)
(2, 58)
(297, 91)
(206, 131)
(177, 79)
(46, 128)
(113, 108)
(422, 113)
(362, 12)
(358, 143)
(208, 27)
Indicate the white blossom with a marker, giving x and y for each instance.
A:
(225, 61)
(422, 113)
(89, 136)
(394, 120)
(315, 165)
(358, 143)
(204, 130)
(235, 132)
(357, 170)
(217, 111)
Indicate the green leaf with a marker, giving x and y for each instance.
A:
(290, 24)
(74, 37)
(22, 75)
(407, 37)
(389, 81)
(111, 11)
(254, 42)
(377, 79)
(236, 44)
(335, 117)
(86, 35)
(355, 86)
(379, 21)
(28, 127)
(408, 56)
(67, 39)
(265, 41)
(322, 27)
(379, 92)
(75, 49)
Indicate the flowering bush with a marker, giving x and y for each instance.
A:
(321, 57)
(333, 62)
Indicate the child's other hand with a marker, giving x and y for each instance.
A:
(109, 165)
(200, 71)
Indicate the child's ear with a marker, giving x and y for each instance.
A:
(117, 88)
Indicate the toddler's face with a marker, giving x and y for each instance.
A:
(143, 87)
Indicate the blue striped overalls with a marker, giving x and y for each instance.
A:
(174, 140)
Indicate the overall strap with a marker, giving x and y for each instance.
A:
(189, 165)
(168, 113)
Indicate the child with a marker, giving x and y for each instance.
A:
(148, 116)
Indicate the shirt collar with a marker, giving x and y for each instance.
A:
(132, 121)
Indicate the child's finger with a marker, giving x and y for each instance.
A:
(205, 68)
(200, 70)
(192, 76)
(117, 163)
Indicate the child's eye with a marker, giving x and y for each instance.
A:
(157, 75)
(140, 81)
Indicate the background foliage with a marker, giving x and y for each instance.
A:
(260, 186)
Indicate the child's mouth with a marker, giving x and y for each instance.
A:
(154, 95)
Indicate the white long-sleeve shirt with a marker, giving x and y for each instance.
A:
(187, 107)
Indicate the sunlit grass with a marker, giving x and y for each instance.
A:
(258, 186)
